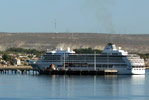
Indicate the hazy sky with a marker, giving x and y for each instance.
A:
(97, 16)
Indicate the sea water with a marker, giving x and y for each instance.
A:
(63, 87)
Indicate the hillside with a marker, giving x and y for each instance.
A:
(43, 41)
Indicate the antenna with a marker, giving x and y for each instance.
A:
(55, 25)
(111, 38)
(72, 36)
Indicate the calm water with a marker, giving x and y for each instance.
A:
(29, 87)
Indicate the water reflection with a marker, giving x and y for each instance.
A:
(98, 87)
(111, 85)
(138, 79)
(137, 85)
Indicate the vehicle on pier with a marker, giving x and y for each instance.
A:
(111, 58)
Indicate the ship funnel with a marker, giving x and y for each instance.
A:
(110, 44)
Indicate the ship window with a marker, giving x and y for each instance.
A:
(84, 64)
(133, 66)
(114, 53)
(123, 64)
(59, 65)
(105, 66)
(91, 65)
(77, 65)
(110, 66)
(98, 65)
(104, 53)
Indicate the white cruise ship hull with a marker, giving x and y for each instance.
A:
(138, 72)
(111, 59)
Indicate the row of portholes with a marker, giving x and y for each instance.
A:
(138, 69)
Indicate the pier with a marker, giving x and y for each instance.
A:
(17, 70)
(30, 70)
(70, 72)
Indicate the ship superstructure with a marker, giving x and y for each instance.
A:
(110, 58)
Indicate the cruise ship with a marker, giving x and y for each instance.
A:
(111, 58)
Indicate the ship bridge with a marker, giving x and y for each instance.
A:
(111, 49)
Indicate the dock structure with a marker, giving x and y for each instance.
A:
(30, 70)
(71, 72)
(51, 71)
(17, 70)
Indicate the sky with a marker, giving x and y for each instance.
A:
(91, 16)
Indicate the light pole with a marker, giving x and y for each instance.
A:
(64, 60)
(94, 61)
